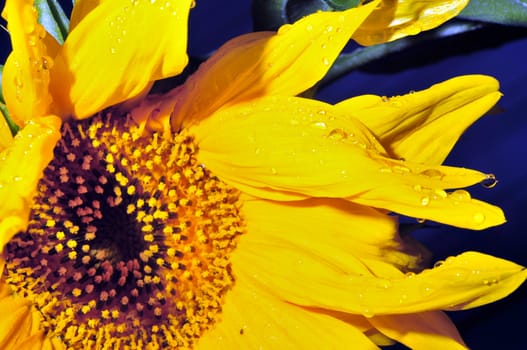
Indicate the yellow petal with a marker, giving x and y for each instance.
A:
(251, 319)
(21, 167)
(259, 64)
(34, 342)
(15, 321)
(5, 133)
(395, 19)
(80, 10)
(288, 148)
(116, 50)
(465, 281)
(26, 72)
(431, 330)
(335, 230)
(424, 126)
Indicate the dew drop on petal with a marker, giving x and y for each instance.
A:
(460, 195)
(385, 284)
(319, 125)
(478, 218)
(426, 289)
(338, 134)
(425, 200)
(19, 83)
(294, 122)
(367, 313)
(491, 282)
(459, 276)
(403, 298)
(284, 29)
(401, 169)
(432, 173)
(439, 263)
(490, 181)
(440, 193)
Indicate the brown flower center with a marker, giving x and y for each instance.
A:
(129, 239)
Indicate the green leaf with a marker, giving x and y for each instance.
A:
(53, 18)
(510, 12)
(12, 125)
(343, 4)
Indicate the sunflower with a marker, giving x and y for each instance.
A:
(228, 213)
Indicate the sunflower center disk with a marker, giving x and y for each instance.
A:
(129, 239)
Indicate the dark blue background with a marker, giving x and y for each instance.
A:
(495, 144)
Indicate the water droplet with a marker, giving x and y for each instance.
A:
(294, 122)
(459, 276)
(322, 112)
(410, 274)
(17, 178)
(329, 28)
(47, 62)
(19, 83)
(425, 200)
(460, 195)
(367, 313)
(385, 170)
(323, 46)
(309, 27)
(432, 173)
(284, 29)
(426, 289)
(319, 125)
(418, 188)
(325, 61)
(385, 99)
(112, 50)
(490, 181)
(382, 283)
(403, 298)
(478, 218)
(396, 103)
(421, 221)
(440, 193)
(338, 134)
(438, 263)
(490, 282)
(401, 169)
(257, 151)
(273, 171)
